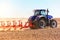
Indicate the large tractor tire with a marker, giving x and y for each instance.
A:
(42, 23)
(53, 23)
(35, 25)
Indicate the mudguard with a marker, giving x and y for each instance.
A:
(49, 16)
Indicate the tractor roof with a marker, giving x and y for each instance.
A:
(40, 10)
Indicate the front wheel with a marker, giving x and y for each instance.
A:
(53, 23)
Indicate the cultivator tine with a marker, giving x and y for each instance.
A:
(13, 25)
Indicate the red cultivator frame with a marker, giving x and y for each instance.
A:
(14, 24)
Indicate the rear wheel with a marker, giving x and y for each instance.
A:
(35, 25)
(53, 23)
(42, 23)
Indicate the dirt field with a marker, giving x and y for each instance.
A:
(36, 34)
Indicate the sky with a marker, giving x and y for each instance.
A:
(25, 8)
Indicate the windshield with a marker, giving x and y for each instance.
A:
(43, 12)
(36, 13)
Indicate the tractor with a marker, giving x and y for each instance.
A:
(41, 19)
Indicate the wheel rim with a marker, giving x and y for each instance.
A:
(42, 24)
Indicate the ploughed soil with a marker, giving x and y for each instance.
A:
(30, 34)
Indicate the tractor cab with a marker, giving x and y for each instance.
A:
(40, 12)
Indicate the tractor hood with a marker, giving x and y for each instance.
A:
(31, 18)
(49, 16)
